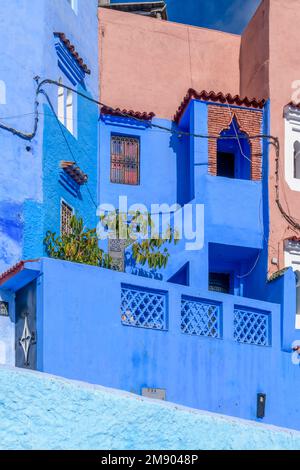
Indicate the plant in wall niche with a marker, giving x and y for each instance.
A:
(80, 245)
(138, 231)
(148, 251)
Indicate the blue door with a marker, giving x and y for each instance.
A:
(25, 339)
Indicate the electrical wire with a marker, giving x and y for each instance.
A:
(67, 143)
(243, 276)
(272, 140)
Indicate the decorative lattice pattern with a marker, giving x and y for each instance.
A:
(116, 251)
(143, 308)
(251, 327)
(66, 214)
(200, 317)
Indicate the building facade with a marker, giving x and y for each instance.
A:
(49, 140)
(215, 329)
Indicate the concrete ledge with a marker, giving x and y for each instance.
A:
(40, 411)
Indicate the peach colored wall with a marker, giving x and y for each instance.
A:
(284, 69)
(254, 55)
(148, 64)
(270, 62)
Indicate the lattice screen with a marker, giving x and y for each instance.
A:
(252, 327)
(200, 317)
(143, 308)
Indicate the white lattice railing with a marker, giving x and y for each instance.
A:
(143, 308)
(252, 326)
(200, 317)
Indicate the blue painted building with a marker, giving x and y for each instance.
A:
(199, 348)
(210, 330)
(39, 189)
(175, 168)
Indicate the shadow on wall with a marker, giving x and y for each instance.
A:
(179, 143)
(11, 227)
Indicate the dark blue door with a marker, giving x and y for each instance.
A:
(26, 327)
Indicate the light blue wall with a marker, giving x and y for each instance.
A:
(29, 176)
(72, 415)
(158, 163)
(81, 337)
(174, 169)
(22, 176)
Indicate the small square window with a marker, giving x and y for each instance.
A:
(125, 160)
(66, 214)
(219, 282)
(225, 164)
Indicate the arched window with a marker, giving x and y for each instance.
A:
(2, 92)
(234, 154)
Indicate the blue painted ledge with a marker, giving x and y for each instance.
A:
(39, 411)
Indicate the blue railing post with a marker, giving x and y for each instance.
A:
(228, 316)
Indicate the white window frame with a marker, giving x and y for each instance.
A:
(69, 111)
(292, 134)
(2, 92)
(62, 200)
(61, 103)
(70, 122)
(292, 259)
(74, 5)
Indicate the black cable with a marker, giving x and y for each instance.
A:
(66, 141)
(272, 140)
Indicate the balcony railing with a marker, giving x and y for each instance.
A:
(252, 326)
(148, 308)
(200, 317)
(143, 308)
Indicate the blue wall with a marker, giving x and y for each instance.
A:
(72, 415)
(80, 307)
(30, 191)
(28, 197)
(174, 169)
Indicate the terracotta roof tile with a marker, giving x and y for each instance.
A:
(74, 172)
(73, 52)
(125, 113)
(11, 272)
(216, 97)
(292, 104)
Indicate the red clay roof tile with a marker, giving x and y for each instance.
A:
(125, 113)
(72, 50)
(216, 97)
(11, 272)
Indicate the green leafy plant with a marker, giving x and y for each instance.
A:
(147, 246)
(80, 245)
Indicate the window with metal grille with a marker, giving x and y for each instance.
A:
(66, 213)
(125, 160)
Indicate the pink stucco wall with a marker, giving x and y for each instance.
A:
(270, 62)
(148, 64)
